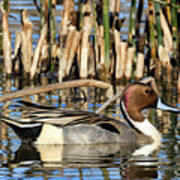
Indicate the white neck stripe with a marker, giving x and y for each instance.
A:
(145, 126)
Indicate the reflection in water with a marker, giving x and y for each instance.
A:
(86, 156)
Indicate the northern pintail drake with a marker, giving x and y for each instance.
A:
(51, 125)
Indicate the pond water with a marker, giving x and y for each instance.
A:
(20, 161)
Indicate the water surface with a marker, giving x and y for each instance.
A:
(110, 161)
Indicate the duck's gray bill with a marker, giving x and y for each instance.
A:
(163, 106)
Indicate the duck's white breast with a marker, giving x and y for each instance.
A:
(50, 134)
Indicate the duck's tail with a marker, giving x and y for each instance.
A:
(27, 131)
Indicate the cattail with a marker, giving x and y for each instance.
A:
(118, 55)
(106, 31)
(130, 56)
(38, 51)
(85, 46)
(178, 84)
(102, 45)
(17, 49)
(167, 38)
(164, 56)
(6, 41)
(68, 7)
(132, 23)
(26, 48)
(91, 69)
(66, 51)
(139, 66)
(72, 52)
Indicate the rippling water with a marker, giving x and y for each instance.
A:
(20, 161)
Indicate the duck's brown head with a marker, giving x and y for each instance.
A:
(139, 96)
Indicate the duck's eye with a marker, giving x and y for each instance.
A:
(147, 91)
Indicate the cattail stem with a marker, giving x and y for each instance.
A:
(56, 86)
(139, 66)
(168, 11)
(6, 5)
(106, 30)
(132, 23)
(174, 24)
(38, 51)
(41, 14)
(139, 16)
(158, 23)
(178, 83)
(80, 9)
(52, 29)
(26, 42)
(167, 37)
(52, 4)
(6, 41)
(167, 3)
(94, 22)
(151, 27)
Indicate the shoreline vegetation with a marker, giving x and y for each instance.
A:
(88, 44)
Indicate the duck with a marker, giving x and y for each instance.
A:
(42, 124)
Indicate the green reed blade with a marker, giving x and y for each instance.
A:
(158, 23)
(131, 39)
(151, 29)
(106, 30)
(174, 24)
(5, 4)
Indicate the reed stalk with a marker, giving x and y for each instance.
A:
(164, 56)
(52, 28)
(0, 39)
(91, 70)
(56, 86)
(132, 23)
(106, 31)
(102, 45)
(67, 49)
(17, 49)
(37, 52)
(85, 46)
(138, 16)
(167, 37)
(6, 5)
(42, 13)
(158, 23)
(68, 7)
(73, 49)
(95, 27)
(52, 4)
(167, 3)
(174, 25)
(80, 10)
(129, 63)
(26, 43)
(162, 51)
(6, 41)
(168, 11)
(139, 66)
(151, 27)
(178, 84)
(118, 54)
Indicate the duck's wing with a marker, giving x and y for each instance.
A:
(35, 113)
